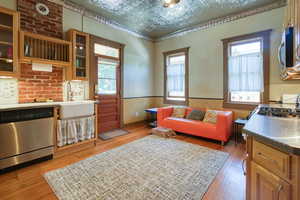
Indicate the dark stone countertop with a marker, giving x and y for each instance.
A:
(281, 133)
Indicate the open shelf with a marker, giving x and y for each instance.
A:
(43, 49)
(80, 56)
(4, 27)
(8, 60)
(6, 43)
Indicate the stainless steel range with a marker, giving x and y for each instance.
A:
(279, 111)
(25, 135)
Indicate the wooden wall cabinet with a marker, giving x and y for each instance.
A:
(35, 48)
(80, 55)
(271, 174)
(9, 29)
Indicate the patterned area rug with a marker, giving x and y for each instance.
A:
(151, 168)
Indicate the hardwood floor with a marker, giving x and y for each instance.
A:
(28, 183)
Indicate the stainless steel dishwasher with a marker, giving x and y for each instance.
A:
(25, 135)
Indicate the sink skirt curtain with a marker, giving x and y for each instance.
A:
(70, 131)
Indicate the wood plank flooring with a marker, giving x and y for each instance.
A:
(28, 183)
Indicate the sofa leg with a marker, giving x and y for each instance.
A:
(222, 143)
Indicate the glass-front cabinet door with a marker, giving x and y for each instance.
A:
(9, 27)
(80, 64)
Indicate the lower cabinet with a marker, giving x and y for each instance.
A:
(267, 186)
(271, 173)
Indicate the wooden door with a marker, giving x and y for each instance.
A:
(267, 186)
(108, 93)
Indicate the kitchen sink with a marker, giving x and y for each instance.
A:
(74, 109)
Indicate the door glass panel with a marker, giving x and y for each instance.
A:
(6, 42)
(80, 56)
(106, 51)
(107, 83)
(107, 86)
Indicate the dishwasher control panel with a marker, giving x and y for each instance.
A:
(25, 114)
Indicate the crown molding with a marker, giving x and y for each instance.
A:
(209, 24)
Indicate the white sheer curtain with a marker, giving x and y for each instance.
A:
(70, 131)
(246, 73)
(176, 78)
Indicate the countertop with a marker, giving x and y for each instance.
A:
(41, 105)
(282, 133)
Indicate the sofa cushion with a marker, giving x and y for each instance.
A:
(178, 112)
(211, 116)
(189, 126)
(196, 115)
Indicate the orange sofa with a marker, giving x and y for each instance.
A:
(220, 131)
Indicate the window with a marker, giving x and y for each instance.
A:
(176, 77)
(246, 70)
(106, 50)
(107, 71)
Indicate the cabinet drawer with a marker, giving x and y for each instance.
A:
(275, 161)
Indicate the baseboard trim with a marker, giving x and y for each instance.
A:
(204, 98)
(141, 97)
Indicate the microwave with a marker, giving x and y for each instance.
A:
(286, 48)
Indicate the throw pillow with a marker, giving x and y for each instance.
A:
(196, 115)
(211, 116)
(178, 112)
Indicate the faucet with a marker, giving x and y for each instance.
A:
(69, 91)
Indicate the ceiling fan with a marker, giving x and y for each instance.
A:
(170, 3)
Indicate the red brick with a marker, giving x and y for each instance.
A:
(34, 84)
(36, 23)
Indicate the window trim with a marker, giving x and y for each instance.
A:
(265, 37)
(185, 51)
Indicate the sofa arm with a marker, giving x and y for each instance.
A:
(163, 113)
(224, 124)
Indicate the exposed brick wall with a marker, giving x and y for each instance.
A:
(32, 21)
(36, 84)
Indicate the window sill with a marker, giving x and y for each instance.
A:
(174, 102)
(241, 106)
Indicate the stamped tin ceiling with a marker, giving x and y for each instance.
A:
(150, 18)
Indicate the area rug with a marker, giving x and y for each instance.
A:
(111, 134)
(151, 168)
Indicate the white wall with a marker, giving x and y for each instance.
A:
(206, 55)
(138, 53)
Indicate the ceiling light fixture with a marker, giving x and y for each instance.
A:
(170, 3)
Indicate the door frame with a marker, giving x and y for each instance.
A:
(93, 73)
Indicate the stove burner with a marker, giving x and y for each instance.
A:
(279, 112)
